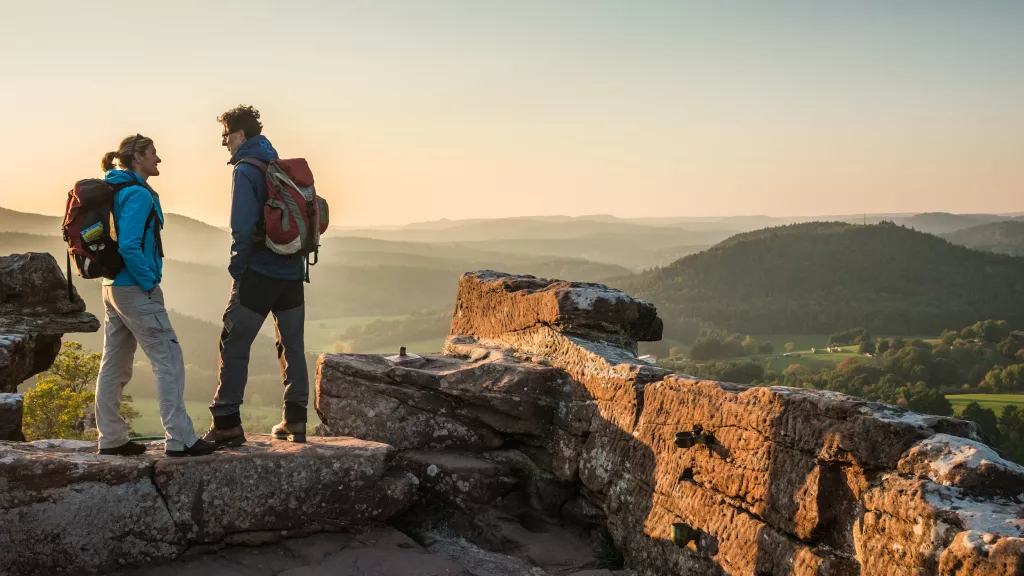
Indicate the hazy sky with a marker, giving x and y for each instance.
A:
(428, 109)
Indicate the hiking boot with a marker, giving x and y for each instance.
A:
(129, 448)
(199, 448)
(225, 437)
(293, 431)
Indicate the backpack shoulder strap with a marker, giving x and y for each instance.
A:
(150, 218)
(262, 166)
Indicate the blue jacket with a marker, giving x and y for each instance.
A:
(248, 195)
(143, 267)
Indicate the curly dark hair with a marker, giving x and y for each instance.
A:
(242, 117)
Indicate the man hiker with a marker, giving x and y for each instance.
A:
(263, 282)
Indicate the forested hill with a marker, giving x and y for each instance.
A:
(820, 277)
(1001, 237)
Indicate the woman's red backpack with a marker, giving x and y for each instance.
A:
(90, 230)
(294, 216)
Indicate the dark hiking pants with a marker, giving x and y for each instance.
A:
(253, 296)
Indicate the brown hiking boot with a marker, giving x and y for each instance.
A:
(225, 437)
(294, 431)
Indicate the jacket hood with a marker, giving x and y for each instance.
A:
(257, 148)
(122, 177)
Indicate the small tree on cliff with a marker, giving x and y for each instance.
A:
(53, 410)
(63, 394)
(75, 367)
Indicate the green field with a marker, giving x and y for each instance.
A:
(255, 419)
(993, 401)
(802, 355)
(801, 341)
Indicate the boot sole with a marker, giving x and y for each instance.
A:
(297, 438)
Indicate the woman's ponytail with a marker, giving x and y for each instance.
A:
(108, 161)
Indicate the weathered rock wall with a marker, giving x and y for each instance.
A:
(790, 481)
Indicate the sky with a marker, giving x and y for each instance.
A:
(428, 109)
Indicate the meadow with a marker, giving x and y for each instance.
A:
(993, 401)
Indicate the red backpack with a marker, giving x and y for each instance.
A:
(294, 216)
(91, 232)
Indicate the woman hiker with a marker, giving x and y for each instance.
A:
(134, 311)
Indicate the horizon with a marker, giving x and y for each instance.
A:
(411, 113)
(793, 219)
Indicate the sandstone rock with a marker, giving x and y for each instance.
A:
(490, 304)
(34, 312)
(11, 406)
(377, 551)
(458, 479)
(790, 482)
(78, 512)
(328, 480)
(33, 284)
(480, 562)
(607, 381)
(545, 491)
(796, 458)
(23, 356)
(447, 403)
(979, 554)
(63, 511)
(954, 461)
(908, 523)
(382, 551)
(580, 511)
(34, 297)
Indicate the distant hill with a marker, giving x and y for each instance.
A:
(550, 228)
(1000, 237)
(943, 223)
(633, 252)
(14, 221)
(821, 277)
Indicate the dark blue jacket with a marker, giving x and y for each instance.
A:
(248, 195)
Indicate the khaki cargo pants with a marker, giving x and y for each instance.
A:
(133, 317)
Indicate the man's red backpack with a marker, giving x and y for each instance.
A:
(294, 216)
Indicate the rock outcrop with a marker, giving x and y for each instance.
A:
(768, 481)
(10, 416)
(35, 311)
(65, 510)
